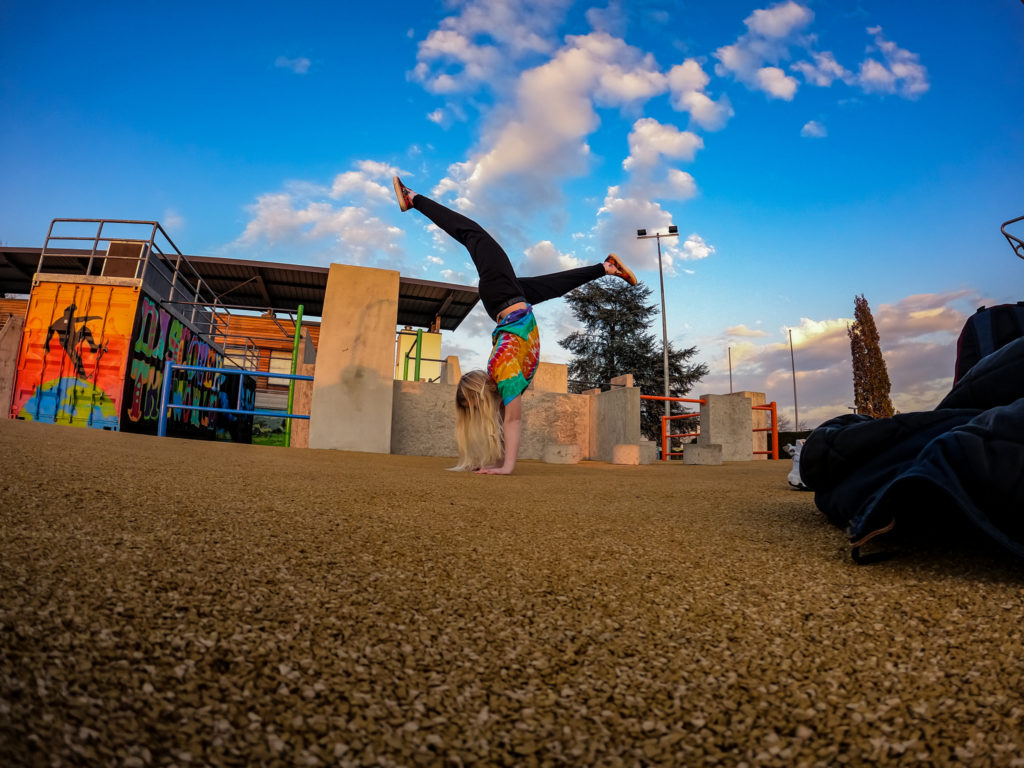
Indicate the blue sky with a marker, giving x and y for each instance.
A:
(807, 151)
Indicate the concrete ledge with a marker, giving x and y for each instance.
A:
(562, 454)
(626, 453)
(648, 451)
(709, 453)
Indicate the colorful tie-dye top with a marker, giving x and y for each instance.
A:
(515, 355)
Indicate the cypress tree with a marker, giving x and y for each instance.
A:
(871, 384)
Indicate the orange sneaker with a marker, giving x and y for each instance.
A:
(404, 194)
(619, 269)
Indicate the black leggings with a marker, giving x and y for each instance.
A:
(499, 287)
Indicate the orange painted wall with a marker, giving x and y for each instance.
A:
(71, 363)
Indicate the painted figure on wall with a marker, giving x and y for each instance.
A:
(71, 337)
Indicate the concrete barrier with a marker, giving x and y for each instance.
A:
(353, 388)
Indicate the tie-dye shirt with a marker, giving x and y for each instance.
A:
(515, 355)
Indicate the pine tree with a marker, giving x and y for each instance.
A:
(870, 377)
(615, 340)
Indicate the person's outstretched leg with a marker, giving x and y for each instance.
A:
(499, 288)
(544, 287)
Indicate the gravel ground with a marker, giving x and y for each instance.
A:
(165, 602)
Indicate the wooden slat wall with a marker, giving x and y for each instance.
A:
(16, 307)
(265, 333)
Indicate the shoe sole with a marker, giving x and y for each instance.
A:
(402, 202)
(625, 271)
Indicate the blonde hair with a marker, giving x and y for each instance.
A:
(478, 422)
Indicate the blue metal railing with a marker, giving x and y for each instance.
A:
(165, 396)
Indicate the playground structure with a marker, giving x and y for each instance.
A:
(127, 333)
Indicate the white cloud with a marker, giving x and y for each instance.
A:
(770, 32)
(900, 72)
(687, 82)
(329, 223)
(695, 248)
(780, 20)
(823, 70)
(172, 220)
(775, 82)
(650, 140)
(742, 330)
(480, 45)
(541, 139)
(544, 258)
(813, 130)
(300, 65)
(437, 116)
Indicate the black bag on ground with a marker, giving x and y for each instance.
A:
(987, 330)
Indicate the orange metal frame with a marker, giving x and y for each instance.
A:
(666, 435)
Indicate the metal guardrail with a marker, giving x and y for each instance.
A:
(666, 436)
(165, 395)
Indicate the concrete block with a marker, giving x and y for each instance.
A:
(725, 420)
(562, 454)
(625, 380)
(648, 452)
(423, 419)
(698, 453)
(551, 377)
(626, 453)
(550, 418)
(353, 387)
(614, 420)
(451, 371)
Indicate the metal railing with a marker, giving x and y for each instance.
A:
(667, 436)
(166, 405)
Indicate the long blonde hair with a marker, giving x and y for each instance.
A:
(478, 422)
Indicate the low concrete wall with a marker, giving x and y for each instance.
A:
(423, 421)
(10, 342)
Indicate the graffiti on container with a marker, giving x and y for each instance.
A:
(161, 337)
(71, 337)
(71, 356)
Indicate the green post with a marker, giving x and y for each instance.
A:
(291, 382)
(419, 352)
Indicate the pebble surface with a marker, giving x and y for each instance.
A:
(178, 603)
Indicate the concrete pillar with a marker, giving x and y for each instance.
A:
(551, 377)
(353, 386)
(725, 421)
(302, 402)
(758, 420)
(614, 420)
(451, 371)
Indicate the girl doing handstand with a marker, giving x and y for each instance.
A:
(488, 413)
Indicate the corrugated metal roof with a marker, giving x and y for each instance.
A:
(261, 285)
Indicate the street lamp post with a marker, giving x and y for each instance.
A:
(641, 234)
(730, 370)
(792, 360)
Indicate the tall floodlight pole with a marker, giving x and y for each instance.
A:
(641, 234)
(730, 370)
(792, 360)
